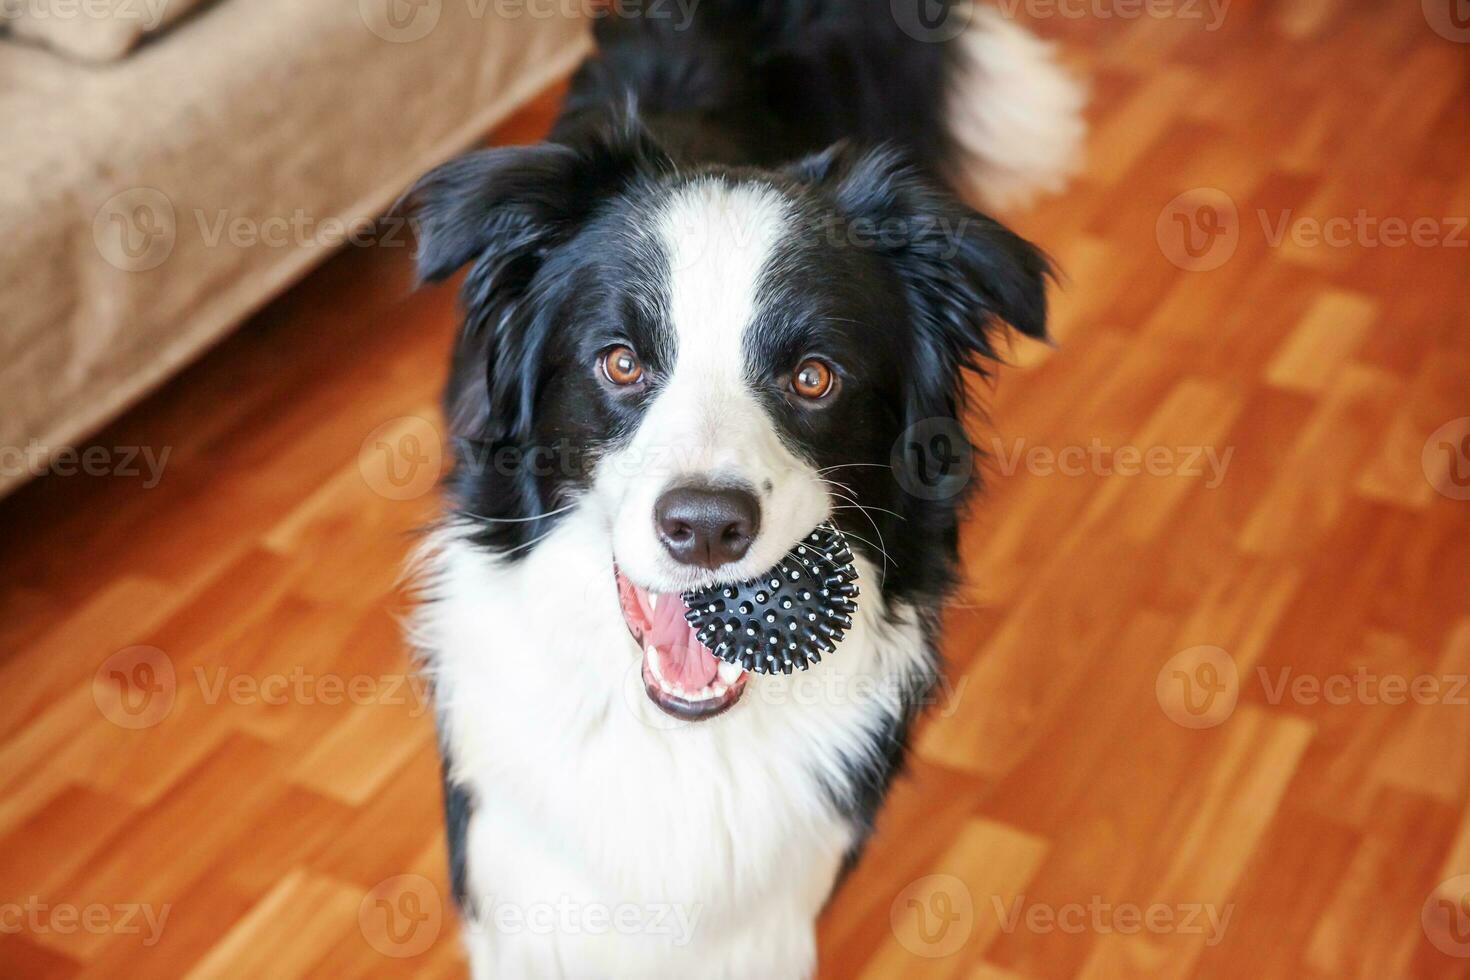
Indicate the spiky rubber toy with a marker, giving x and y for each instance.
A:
(787, 618)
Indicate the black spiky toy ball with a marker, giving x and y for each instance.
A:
(786, 618)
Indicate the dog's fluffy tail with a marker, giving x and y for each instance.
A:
(1014, 113)
(967, 93)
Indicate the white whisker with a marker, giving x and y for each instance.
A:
(516, 520)
(881, 546)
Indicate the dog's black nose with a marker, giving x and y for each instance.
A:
(707, 526)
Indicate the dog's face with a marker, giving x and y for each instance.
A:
(715, 361)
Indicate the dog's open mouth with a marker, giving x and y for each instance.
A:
(680, 674)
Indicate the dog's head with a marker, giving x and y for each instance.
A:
(716, 360)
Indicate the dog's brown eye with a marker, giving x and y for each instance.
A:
(621, 366)
(813, 379)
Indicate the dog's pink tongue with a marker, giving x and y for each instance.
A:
(685, 661)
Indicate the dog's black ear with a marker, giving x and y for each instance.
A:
(966, 274)
(503, 212)
(965, 278)
(511, 204)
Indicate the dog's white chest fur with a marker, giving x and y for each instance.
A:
(606, 838)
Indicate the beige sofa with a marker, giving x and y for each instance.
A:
(149, 204)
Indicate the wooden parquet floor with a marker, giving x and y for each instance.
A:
(1206, 712)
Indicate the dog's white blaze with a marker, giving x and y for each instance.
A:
(719, 238)
(706, 422)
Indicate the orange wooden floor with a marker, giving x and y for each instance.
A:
(1206, 713)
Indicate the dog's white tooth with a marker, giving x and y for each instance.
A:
(653, 601)
(730, 673)
(653, 665)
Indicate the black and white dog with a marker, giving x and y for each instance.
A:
(696, 322)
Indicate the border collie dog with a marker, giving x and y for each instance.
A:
(697, 321)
